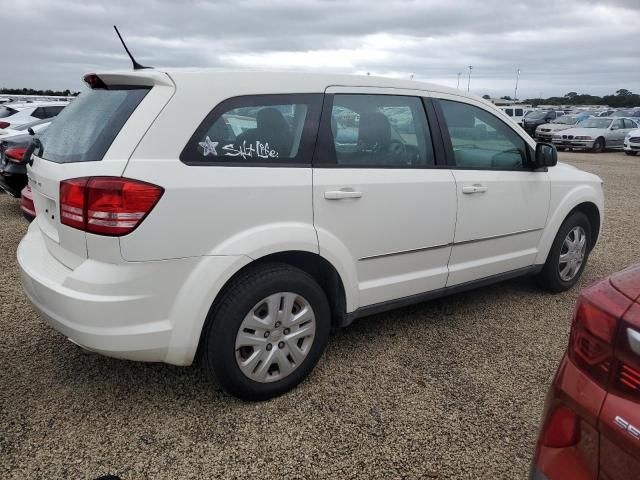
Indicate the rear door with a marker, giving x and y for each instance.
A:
(94, 136)
(502, 202)
(382, 207)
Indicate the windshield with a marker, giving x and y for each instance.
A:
(84, 130)
(566, 120)
(596, 123)
(536, 115)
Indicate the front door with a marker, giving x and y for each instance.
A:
(380, 207)
(502, 203)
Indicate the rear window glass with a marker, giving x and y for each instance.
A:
(7, 112)
(84, 130)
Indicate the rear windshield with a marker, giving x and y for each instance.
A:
(84, 131)
(7, 112)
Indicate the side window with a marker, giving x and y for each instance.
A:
(509, 111)
(618, 124)
(518, 112)
(629, 123)
(258, 129)
(481, 140)
(384, 131)
(39, 113)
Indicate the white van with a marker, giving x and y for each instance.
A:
(516, 112)
(280, 207)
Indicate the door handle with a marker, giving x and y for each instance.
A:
(341, 194)
(475, 188)
(634, 340)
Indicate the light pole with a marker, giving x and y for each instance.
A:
(515, 91)
(458, 85)
(469, 79)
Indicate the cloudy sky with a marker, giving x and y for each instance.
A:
(589, 46)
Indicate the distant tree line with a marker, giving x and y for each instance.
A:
(622, 98)
(32, 91)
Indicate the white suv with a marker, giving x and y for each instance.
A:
(280, 207)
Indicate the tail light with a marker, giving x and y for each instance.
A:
(601, 342)
(26, 202)
(110, 206)
(15, 154)
(627, 375)
(562, 428)
(5, 124)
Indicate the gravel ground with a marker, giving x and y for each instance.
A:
(449, 389)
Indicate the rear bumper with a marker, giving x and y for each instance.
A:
(144, 311)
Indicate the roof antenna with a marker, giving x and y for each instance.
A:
(136, 65)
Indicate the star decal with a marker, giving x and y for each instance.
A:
(208, 147)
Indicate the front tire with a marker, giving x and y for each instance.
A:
(267, 332)
(630, 153)
(598, 145)
(568, 255)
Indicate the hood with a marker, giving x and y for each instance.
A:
(634, 133)
(554, 127)
(590, 132)
(627, 282)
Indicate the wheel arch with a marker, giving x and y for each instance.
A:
(321, 269)
(583, 200)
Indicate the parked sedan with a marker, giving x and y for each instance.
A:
(29, 112)
(595, 134)
(13, 168)
(534, 119)
(591, 424)
(632, 142)
(635, 113)
(544, 133)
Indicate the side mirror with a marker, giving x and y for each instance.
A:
(31, 132)
(546, 155)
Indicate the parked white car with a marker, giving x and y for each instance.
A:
(595, 134)
(27, 113)
(282, 206)
(36, 126)
(545, 131)
(632, 142)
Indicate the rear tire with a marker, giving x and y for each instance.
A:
(551, 277)
(262, 293)
(598, 145)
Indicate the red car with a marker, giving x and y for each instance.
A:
(591, 425)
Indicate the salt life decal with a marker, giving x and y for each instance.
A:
(208, 147)
(249, 150)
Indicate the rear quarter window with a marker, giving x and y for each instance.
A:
(84, 130)
(272, 130)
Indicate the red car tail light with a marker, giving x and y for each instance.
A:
(5, 124)
(562, 428)
(26, 203)
(591, 344)
(600, 343)
(111, 206)
(627, 377)
(15, 154)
